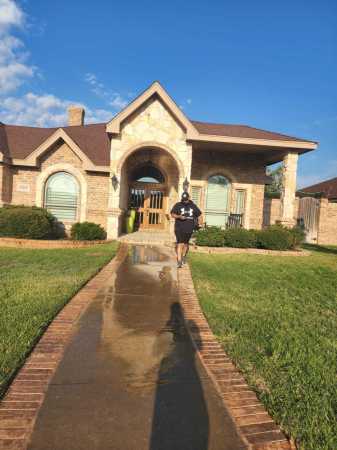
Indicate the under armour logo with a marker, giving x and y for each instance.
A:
(189, 211)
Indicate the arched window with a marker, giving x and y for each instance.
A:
(147, 174)
(61, 196)
(217, 200)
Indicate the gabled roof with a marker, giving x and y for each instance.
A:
(155, 90)
(19, 142)
(327, 188)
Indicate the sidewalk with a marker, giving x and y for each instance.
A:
(130, 379)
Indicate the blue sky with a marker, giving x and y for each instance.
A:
(267, 64)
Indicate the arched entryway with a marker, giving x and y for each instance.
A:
(148, 195)
(150, 178)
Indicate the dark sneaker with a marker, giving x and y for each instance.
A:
(183, 260)
(179, 264)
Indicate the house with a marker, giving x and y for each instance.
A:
(327, 189)
(318, 211)
(145, 157)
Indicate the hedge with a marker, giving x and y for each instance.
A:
(28, 222)
(210, 236)
(87, 231)
(275, 237)
(240, 238)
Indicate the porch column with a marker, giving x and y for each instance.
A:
(114, 212)
(289, 189)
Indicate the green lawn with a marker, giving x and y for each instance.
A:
(277, 319)
(34, 286)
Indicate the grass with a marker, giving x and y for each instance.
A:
(277, 318)
(34, 286)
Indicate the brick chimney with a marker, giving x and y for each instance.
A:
(76, 115)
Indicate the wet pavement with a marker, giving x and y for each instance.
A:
(130, 379)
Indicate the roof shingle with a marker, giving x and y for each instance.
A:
(328, 188)
(241, 131)
(18, 142)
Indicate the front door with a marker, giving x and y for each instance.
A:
(150, 203)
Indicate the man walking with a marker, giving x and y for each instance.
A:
(185, 213)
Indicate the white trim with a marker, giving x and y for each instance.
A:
(32, 158)
(62, 167)
(248, 201)
(253, 141)
(114, 125)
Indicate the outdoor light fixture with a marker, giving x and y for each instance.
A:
(114, 181)
(186, 185)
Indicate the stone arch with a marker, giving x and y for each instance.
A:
(76, 173)
(153, 145)
(160, 157)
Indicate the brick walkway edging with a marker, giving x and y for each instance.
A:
(255, 426)
(49, 244)
(20, 406)
(248, 251)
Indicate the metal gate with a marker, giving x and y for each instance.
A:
(308, 215)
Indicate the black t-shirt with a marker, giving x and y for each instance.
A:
(188, 210)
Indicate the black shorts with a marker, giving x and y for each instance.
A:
(183, 237)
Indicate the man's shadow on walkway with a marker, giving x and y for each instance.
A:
(180, 418)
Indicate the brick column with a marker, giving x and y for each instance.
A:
(5, 184)
(289, 189)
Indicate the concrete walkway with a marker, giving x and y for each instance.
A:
(129, 379)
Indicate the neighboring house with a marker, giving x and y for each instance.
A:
(327, 189)
(318, 211)
(146, 156)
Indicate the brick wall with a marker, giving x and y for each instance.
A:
(327, 228)
(244, 172)
(20, 183)
(272, 210)
(97, 198)
(5, 184)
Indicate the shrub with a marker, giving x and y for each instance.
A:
(240, 238)
(210, 236)
(27, 222)
(275, 237)
(87, 231)
(298, 236)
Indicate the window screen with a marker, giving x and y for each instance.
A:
(240, 201)
(61, 196)
(196, 195)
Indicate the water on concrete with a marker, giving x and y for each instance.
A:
(130, 379)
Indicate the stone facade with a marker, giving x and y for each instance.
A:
(289, 188)
(152, 127)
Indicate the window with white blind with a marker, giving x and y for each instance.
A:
(196, 195)
(217, 200)
(240, 200)
(61, 196)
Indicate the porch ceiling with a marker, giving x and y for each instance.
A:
(265, 153)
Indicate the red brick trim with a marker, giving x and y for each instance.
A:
(20, 406)
(254, 424)
(41, 243)
(251, 251)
